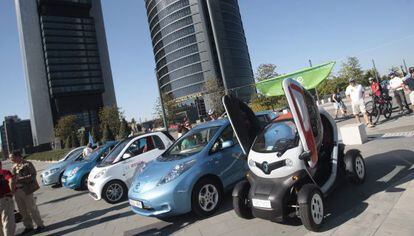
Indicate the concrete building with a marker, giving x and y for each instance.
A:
(66, 62)
(15, 134)
(197, 40)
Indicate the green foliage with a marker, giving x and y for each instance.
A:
(261, 103)
(170, 107)
(352, 69)
(95, 134)
(68, 142)
(75, 140)
(124, 129)
(266, 71)
(2, 157)
(66, 126)
(329, 86)
(52, 155)
(107, 134)
(84, 138)
(111, 117)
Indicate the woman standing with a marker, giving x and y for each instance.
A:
(338, 103)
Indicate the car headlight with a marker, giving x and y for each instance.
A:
(177, 171)
(289, 162)
(100, 174)
(54, 170)
(74, 171)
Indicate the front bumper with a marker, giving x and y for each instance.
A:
(277, 191)
(72, 182)
(166, 200)
(50, 179)
(95, 188)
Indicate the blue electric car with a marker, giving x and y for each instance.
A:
(76, 174)
(53, 173)
(192, 175)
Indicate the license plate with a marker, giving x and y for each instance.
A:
(136, 203)
(261, 203)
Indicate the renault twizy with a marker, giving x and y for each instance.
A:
(294, 162)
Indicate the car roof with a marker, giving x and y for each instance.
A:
(218, 122)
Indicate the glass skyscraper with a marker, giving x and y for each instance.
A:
(66, 62)
(196, 40)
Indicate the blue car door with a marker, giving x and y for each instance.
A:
(223, 155)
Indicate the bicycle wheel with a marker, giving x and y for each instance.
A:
(374, 115)
(387, 111)
(370, 107)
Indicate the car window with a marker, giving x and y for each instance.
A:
(158, 142)
(140, 146)
(275, 136)
(227, 135)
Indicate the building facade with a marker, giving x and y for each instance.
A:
(66, 62)
(15, 134)
(197, 40)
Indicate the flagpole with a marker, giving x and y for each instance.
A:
(316, 90)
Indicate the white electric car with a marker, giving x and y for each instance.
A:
(111, 179)
(295, 161)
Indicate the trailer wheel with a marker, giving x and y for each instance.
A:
(311, 208)
(355, 166)
(240, 200)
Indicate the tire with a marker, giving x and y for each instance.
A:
(369, 107)
(355, 167)
(240, 200)
(114, 191)
(387, 110)
(206, 197)
(375, 115)
(311, 207)
(84, 182)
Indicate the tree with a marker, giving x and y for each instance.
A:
(66, 126)
(124, 129)
(84, 138)
(352, 69)
(261, 103)
(107, 134)
(95, 134)
(68, 142)
(111, 117)
(213, 91)
(266, 71)
(75, 140)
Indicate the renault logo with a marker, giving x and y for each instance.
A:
(265, 167)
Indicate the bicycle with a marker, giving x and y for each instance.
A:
(379, 106)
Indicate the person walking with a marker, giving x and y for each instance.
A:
(8, 224)
(355, 92)
(397, 84)
(409, 85)
(26, 185)
(339, 105)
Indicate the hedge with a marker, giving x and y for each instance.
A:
(52, 155)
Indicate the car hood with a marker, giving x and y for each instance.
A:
(58, 165)
(80, 165)
(155, 171)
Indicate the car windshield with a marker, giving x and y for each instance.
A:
(191, 143)
(276, 137)
(96, 152)
(111, 157)
(72, 155)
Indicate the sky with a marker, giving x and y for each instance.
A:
(286, 33)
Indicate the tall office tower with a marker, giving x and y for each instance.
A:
(66, 62)
(197, 40)
(15, 134)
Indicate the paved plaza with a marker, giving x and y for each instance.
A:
(383, 205)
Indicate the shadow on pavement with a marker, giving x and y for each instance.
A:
(173, 224)
(63, 198)
(88, 220)
(384, 172)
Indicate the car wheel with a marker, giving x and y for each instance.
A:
(114, 191)
(355, 166)
(206, 197)
(84, 182)
(311, 209)
(240, 200)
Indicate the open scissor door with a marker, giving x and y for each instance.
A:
(306, 116)
(245, 124)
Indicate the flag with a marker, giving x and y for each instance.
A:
(91, 139)
(309, 78)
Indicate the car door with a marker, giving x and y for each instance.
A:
(245, 124)
(306, 116)
(223, 156)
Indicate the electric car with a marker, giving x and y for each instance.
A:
(53, 173)
(76, 174)
(192, 175)
(111, 178)
(294, 162)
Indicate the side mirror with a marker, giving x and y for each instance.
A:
(126, 155)
(227, 144)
